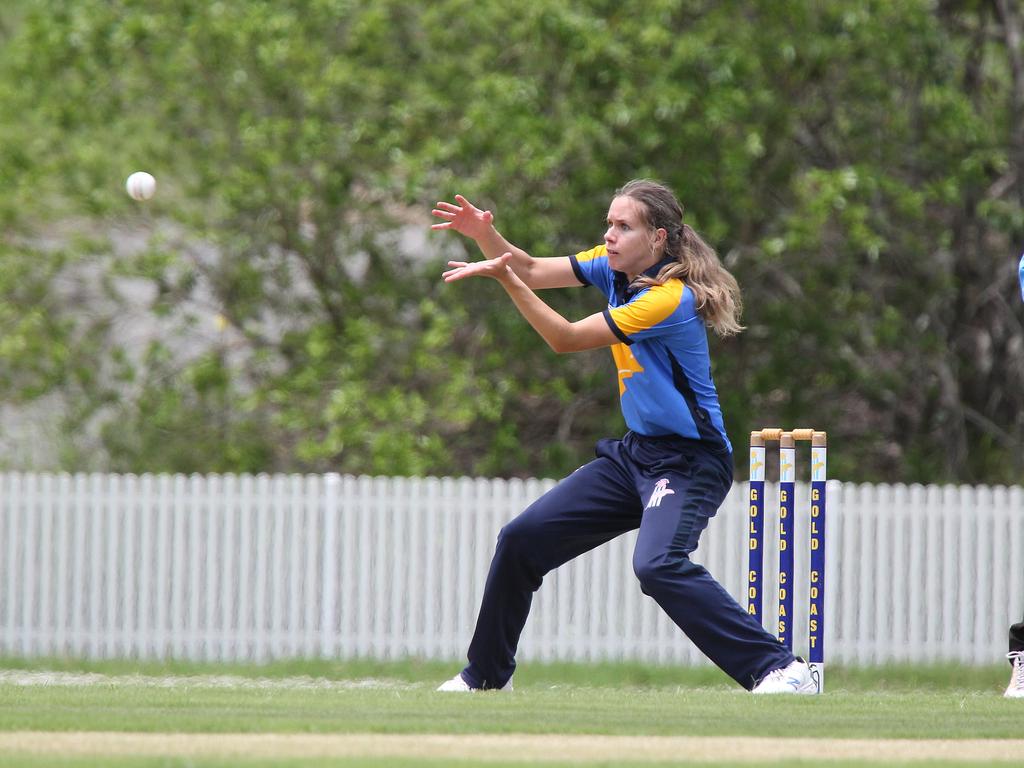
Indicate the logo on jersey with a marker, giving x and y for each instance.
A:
(626, 364)
(661, 490)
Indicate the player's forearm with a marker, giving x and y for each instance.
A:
(494, 244)
(552, 327)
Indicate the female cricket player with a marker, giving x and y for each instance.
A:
(673, 468)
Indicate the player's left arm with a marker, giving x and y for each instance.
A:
(560, 334)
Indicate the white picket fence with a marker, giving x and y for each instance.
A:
(256, 567)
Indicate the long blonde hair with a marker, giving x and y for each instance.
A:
(716, 291)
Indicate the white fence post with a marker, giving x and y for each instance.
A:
(330, 552)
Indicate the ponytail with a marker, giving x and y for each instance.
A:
(715, 290)
(717, 294)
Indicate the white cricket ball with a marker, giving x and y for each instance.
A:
(140, 185)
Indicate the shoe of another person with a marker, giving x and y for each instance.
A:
(458, 685)
(796, 678)
(1015, 690)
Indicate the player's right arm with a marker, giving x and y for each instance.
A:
(478, 225)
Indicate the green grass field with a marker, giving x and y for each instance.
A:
(365, 713)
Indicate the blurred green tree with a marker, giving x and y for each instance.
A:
(858, 165)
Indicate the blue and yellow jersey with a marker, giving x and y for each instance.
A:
(665, 383)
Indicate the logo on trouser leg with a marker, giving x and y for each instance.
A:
(661, 490)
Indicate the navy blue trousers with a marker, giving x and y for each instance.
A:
(668, 487)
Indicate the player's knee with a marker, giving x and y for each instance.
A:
(653, 572)
(649, 573)
(514, 538)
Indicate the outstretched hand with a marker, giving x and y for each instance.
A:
(465, 218)
(496, 268)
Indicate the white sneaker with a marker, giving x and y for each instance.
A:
(796, 678)
(1015, 690)
(458, 685)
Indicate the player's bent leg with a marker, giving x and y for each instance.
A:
(589, 507)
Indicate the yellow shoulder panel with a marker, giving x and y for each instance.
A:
(648, 309)
(593, 253)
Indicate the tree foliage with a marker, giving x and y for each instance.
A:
(857, 164)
